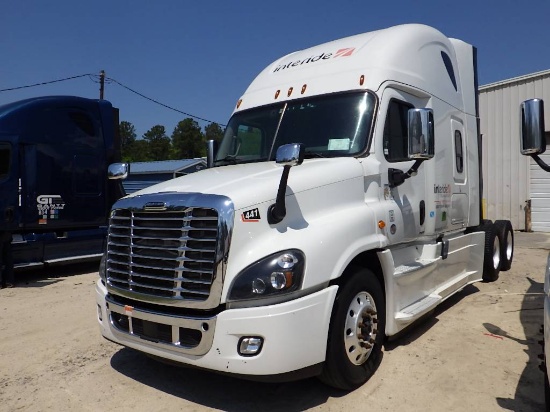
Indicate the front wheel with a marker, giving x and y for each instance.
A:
(356, 333)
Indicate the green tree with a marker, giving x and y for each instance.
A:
(187, 140)
(213, 132)
(127, 140)
(158, 143)
(140, 151)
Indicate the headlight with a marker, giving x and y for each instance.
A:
(103, 268)
(277, 274)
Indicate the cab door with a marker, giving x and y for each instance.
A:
(406, 203)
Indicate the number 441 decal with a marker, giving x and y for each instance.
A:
(251, 215)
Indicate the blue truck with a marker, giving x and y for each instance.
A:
(55, 196)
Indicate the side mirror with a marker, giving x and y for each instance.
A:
(533, 141)
(290, 154)
(421, 134)
(118, 171)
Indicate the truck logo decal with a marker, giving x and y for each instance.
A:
(48, 207)
(251, 215)
(345, 52)
(156, 206)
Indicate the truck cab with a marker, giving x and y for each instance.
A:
(54, 155)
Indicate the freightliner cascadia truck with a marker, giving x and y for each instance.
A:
(56, 198)
(342, 205)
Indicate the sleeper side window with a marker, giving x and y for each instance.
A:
(459, 156)
(395, 131)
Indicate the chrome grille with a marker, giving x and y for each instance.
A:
(164, 254)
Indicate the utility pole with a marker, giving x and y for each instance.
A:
(101, 83)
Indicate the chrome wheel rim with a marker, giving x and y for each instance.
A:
(509, 246)
(496, 253)
(361, 328)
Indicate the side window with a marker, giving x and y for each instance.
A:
(5, 160)
(395, 131)
(449, 66)
(83, 122)
(459, 155)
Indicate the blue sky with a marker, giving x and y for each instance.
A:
(199, 56)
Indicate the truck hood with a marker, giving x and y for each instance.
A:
(254, 183)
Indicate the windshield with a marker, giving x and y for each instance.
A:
(328, 126)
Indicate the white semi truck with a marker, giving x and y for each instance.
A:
(343, 204)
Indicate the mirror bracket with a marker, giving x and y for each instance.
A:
(288, 155)
(397, 177)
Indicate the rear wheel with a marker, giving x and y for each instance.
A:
(506, 233)
(491, 252)
(356, 334)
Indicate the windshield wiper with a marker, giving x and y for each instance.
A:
(310, 155)
(232, 159)
(229, 159)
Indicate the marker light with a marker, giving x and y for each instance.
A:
(304, 87)
(277, 93)
(239, 103)
(362, 80)
(290, 91)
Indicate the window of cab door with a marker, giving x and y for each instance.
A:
(395, 139)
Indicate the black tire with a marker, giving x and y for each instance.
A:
(506, 233)
(546, 389)
(491, 252)
(357, 331)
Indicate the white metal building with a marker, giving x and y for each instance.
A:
(511, 180)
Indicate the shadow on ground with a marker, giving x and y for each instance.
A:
(221, 391)
(50, 274)
(529, 393)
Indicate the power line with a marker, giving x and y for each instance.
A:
(159, 103)
(44, 83)
(97, 79)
